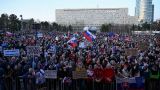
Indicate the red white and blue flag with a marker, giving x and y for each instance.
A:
(72, 42)
(89, 36)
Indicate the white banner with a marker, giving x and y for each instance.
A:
(51, 74)
(39, 35)
(11, 52)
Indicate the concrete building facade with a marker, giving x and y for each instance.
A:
(94, 17)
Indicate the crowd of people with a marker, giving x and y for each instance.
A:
(105, 58)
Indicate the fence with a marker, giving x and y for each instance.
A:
(79, 84)
(54, 84)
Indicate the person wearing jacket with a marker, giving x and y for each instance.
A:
(108, 76)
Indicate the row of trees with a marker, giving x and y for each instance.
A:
(106, 27)
(13, 23)
(141, 27)
(9, 22)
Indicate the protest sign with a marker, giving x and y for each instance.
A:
(82, 45)
(11, 52)
(143, 46)
(132, 52)
(51, 74)
(79, 74)
(52, 49)
(39, 35)
(33, 50)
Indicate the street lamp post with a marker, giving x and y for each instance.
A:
(150, 29)
(21, 22)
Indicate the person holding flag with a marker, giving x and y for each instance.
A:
(73, 42)
(89, 36)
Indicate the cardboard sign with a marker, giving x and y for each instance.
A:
(34, 50)
(11, 52)
(131, 52)
(143, 46)
(51, 74)
(79, 74)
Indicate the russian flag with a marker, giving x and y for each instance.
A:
(89, 36)
(72, 42)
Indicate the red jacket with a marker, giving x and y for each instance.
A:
(108, 73)
(98, 73)
(88, 60)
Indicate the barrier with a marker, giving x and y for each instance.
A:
(20, 83)
(152, 84)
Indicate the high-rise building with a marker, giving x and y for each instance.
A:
(144, 10)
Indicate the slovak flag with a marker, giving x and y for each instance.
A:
(89, 36)
(9, 34)
(72, 42)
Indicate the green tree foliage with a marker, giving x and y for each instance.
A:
(61, 28)
(70, 28)
(11, 22)
(105, 27)
(4, 21)
(14, 23)
(54, 26)
(45, 25)
(146, 26)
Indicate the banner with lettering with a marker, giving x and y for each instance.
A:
(51, 74)
(79, 74)
(14, 52)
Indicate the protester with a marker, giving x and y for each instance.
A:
(110, 55)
